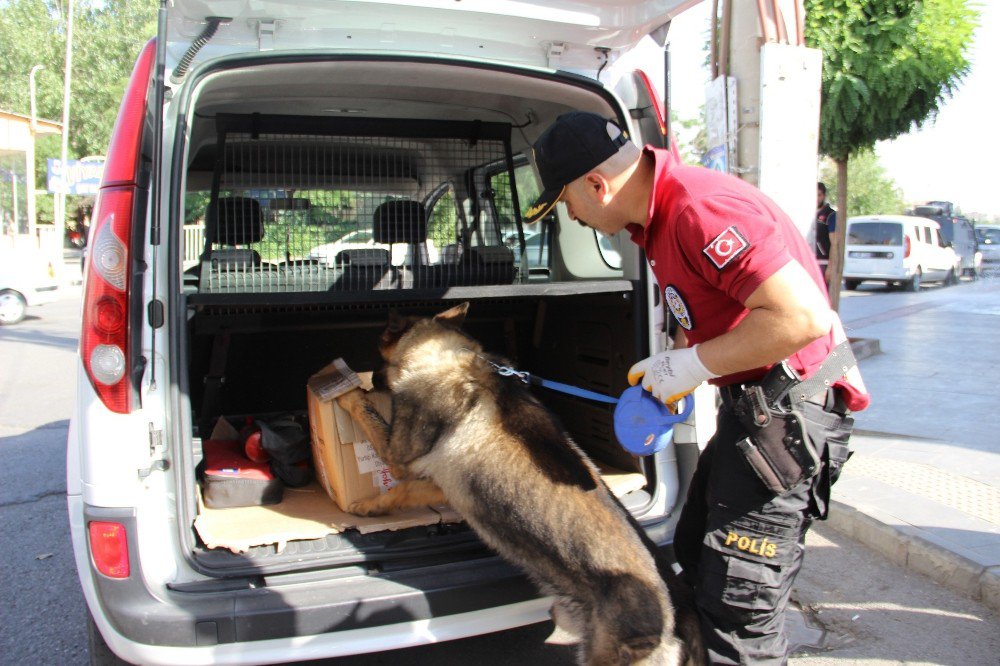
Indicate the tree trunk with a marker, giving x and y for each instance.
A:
(836, 268)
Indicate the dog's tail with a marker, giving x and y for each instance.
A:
(630, 621)
(687, 625)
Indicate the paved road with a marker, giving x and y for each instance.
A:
(42, 610)
(41, 606)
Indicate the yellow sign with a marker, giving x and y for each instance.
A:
(749, 545)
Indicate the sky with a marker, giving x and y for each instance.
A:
(950, 159)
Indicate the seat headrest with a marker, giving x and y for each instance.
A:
(369, 256)
(233, 259)
(238, 221)
(400, 222)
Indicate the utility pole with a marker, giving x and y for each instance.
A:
(61, 197)
(31, 167)
(31, 87)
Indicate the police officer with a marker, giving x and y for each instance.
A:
(747, 293)
(826, 224)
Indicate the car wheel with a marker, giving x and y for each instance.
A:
(950, 278)
(914, 283)
(851, 285)
(12, 306)
(100, 653)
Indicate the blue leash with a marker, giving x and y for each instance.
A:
(643, 425)
(534, 380)
(572, 390)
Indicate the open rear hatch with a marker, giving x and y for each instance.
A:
(565, 34)
(322, 191)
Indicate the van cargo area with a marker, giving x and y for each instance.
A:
(321, 195)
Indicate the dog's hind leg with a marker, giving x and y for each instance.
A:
(405, 494)
(569, 619)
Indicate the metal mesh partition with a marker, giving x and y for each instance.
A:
(310, 204)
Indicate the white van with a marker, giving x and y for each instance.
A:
(28, 278)
(278, 130)
(899, 250)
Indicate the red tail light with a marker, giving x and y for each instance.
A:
(109, 548)
(906, 247)
(661, 117)
(661, 114)
(104, 339)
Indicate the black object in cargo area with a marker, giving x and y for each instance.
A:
(230, 479)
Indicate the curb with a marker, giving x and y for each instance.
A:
(916, 550)
(865, 347)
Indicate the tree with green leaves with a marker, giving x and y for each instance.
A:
(873, 191)
(107, 37)
(888, 65)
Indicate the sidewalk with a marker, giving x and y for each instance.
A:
(923, 487)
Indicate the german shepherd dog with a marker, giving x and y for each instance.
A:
(507, 466)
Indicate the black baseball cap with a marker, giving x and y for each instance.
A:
(573, 145)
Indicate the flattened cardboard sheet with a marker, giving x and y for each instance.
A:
(619, 482)
(309, 513)
(304, 513)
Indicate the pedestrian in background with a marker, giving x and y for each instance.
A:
(826, 225)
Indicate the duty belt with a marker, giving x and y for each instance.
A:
(782, 381)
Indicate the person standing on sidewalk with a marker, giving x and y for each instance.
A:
(747, 293)
(826, 224)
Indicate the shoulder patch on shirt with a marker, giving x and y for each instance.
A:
(678, 307)
(727, 246)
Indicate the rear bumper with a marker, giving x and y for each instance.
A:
(313, 615)
(991, 257)
(887, 275)
(43, 295)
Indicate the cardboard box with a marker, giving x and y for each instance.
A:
(346, 464)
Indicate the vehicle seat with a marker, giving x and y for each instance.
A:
(406, 222)
(364, 270)
(238, 221)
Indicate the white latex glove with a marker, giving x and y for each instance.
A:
(670, 375)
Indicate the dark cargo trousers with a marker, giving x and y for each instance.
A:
(741, 546)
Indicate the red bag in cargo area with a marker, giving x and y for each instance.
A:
(229, 479)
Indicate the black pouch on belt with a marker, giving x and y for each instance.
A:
(778, 449)
(781, 453)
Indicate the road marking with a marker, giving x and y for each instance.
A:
(889, 315)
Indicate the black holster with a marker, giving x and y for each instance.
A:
(778, 447)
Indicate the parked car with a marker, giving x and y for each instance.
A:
(535, 250)
(329, 105)
(363, 239)
(988, 237)
(899, 250)
(27, 279)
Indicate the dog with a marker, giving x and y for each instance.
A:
(460, 432)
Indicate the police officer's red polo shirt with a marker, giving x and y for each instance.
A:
(711, 240)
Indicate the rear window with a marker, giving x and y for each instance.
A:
(988, 236)
(292, 204)
(875, 233)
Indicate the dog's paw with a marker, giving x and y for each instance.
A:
(351, 399)
(367, 508)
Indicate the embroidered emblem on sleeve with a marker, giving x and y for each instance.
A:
(678, 307)
(727, 246)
